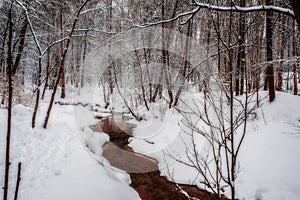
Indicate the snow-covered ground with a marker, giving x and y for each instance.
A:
(269, 159)
(268, 163)
(56, 165)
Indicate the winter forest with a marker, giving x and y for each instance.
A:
(149, 99)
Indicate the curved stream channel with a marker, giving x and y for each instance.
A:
(150, 185)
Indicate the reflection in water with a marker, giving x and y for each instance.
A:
(144, 173)
(116, 124)
(117, 151)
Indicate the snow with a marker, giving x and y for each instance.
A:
(246, 9)
(166, 141)
(268, 162)
(269, 159)
(65, 160)
(56, 164)
(224, 9)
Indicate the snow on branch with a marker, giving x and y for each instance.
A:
(190, 14)
(92, 9)
(247, 9)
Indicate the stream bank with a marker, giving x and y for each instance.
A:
(149, 185)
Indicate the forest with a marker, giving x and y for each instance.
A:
(149, 99)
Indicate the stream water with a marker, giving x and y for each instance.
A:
(117, 151)
(144, 173)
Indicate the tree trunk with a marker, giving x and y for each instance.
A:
(296, 8)
(141, 77)
(110, 68)
(18, 181)
(270, 69)
(241, 59)
(83, 60)
(9, 109)
(2, 57)
(63, 79)
(295, 78)
(22, 37)
(280, 55)
(165, 57)
(37, 92)
(295, 53)
(62, 64)
(47, 70)
(232, 165)
(186, 63)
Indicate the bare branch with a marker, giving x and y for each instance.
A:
(281, 10)
(198, 5)
(172, 19)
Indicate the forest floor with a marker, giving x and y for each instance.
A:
(144, 172)
(65, 160)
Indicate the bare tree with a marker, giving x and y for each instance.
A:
(9, 108)
(269, 79)
(62, 63)
(268, 8)
(212, 120)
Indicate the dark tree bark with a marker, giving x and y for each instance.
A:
(231, 133)
(138, 63)
(186, 63)
(270, 69)
(38, 91)
(9, 109)
(22, 38)
(241, 57)
(47, 69)
(2, 57)
(83, 59)
(296, 8)
(280, 55)
(295, 80)
(63, 79)
(295, 53)
(109, 27)
(18, 181)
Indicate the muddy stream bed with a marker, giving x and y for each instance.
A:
(149, 185)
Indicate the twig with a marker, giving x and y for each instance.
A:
(18, 180)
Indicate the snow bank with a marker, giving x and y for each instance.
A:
(56, 165)
(268, 162)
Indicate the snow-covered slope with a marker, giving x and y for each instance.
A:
(268, 162)
(269, 159)
(55, 162)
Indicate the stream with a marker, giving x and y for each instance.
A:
(149, 185)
